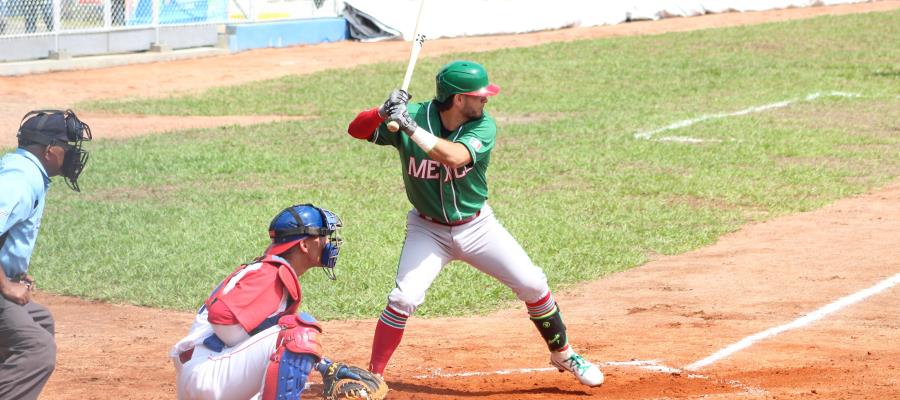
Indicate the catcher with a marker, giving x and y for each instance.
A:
(247, 340)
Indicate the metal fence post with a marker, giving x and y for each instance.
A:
(56, 21)
(155, 17)
(107, 13)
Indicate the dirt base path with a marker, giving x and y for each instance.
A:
(644, 325)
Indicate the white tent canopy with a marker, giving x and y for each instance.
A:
(382, 19)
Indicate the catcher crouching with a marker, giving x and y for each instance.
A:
(247, 340)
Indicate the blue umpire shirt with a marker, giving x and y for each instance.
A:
(23, 186)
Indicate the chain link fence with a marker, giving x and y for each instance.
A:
(35, 17)
(36, 29)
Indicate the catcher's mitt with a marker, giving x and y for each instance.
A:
(342, 381)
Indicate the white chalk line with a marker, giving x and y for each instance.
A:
(647, 365)
(651, 365)
(657, 367)
(648, 135)
(797, 323)
(438, 373)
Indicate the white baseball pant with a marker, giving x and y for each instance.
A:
(482, 243)
(235, 373)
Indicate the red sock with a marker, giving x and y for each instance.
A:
(388, 333)
(542, 307)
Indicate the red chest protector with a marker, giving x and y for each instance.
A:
(254, 292)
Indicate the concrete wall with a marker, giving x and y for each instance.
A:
(117, 41)
(240, 37)
(285, 33)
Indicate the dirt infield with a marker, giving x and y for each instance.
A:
(668, 313)
(644, 325)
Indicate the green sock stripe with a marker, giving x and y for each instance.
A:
(547, 315)
(392, 324)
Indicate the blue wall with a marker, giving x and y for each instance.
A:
(286, 33)
(180, 12)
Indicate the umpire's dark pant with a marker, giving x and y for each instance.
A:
(27, 349)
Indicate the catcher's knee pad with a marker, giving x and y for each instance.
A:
(552, 329)
(298, 349)
(300, 334)
(286, 376)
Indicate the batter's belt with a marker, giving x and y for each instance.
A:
(451, 223)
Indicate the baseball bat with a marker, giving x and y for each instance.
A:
(418, 40)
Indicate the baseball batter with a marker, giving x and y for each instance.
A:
(445, 149)
(247, 340)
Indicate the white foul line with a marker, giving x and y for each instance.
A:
(439, 374)
(647, 365)
(688, 122)
(650, 365)
(797, 323)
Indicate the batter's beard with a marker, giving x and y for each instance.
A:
(474, 114)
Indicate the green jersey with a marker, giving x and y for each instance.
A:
(434, 189)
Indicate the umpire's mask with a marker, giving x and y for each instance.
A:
(58, 128)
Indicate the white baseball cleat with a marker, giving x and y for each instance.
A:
(586, 372)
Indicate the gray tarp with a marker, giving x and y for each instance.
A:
(385, 19)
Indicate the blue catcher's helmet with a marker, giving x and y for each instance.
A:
(297, 222)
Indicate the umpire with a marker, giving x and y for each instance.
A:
(49, 145)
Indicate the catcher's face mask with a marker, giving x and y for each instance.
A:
(63, 129)
(299, 221)
(333, 247)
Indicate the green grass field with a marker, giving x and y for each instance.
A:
(162, 218)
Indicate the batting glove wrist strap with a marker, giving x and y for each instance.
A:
(397, 97)
(424, 139)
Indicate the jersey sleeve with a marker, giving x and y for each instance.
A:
(365, 123)
(231, 335)
(16, 199)
(479, 138)
(383, 136)
(368, 125)
(220, 314)
(255, 297)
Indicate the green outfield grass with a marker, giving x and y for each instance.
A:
(163, 218)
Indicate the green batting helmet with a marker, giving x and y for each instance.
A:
(463, 77)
